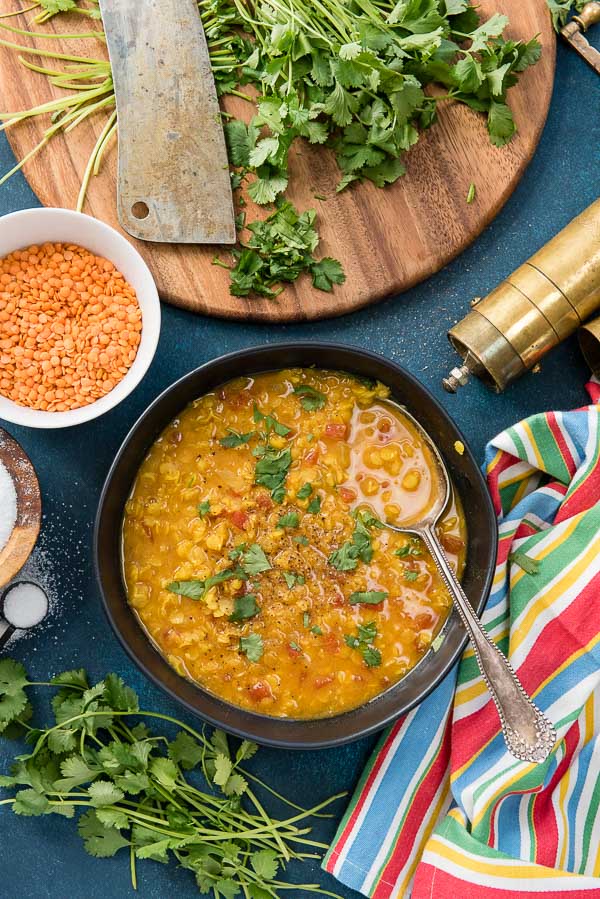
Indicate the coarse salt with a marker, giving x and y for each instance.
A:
(8, 505)
(25, 605)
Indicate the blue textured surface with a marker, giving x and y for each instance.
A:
(44, 857)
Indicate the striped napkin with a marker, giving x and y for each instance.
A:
(442, 810)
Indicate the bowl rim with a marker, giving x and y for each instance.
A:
(250, 728)
(151, 325)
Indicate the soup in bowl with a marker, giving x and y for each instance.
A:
(260, 587)
(255, 548)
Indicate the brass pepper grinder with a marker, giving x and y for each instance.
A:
(589, 341)
(575, 29)
(544, 301)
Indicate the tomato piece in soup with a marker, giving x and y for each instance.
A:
(336, 430)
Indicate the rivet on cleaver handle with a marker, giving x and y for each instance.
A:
(173, 182)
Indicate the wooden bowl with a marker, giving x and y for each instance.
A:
(20, 544)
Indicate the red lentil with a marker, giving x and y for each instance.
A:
(70, 327)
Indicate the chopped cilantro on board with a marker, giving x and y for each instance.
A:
(279, 249)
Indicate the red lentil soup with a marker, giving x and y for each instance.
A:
(254, 548)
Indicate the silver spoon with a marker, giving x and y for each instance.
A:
(11, 620)
(528, 734)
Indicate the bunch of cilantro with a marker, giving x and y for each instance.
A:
(352, 76)
(136, 792)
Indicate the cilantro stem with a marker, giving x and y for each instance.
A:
(245, 845)
(132, 866)
(283, 799)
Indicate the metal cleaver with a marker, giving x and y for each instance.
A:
(173, 180)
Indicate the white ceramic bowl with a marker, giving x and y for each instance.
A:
(38, 226)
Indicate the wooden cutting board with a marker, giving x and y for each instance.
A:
(387, 239)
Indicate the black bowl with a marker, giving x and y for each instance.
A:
(421, 680)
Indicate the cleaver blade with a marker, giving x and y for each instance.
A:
(173, 182)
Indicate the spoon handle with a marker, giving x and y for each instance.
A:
(528, 734)
(6, 632)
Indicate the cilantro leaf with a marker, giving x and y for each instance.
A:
(265, 863)
(314, 505)
(370, 597)
(254, 560)
(53, 7)
(203, 508)
(252, 646)
(193, 589)
(367, 632)
(112, 817)
(75, 772)
(371, 656)
(311, 399)
(100, 840)
(292, 579)
(410, 575)
(271, 470)
(76, 678)
(244, 607)
(363, 641)
(119, 696)
(501, 124)
(529, 565)
(289, 520)
(327, 272)
(13, 677)
(235, 439)
(360, 547)
(305, 491)
(13, 699)
(185, 751)
(103, 792)
(493, 27)
(271, 423)
(238, 143)
(30, 804)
